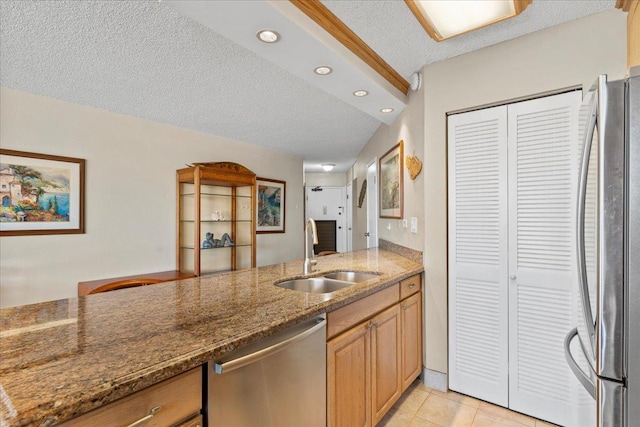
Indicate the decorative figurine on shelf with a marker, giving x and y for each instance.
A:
(217, 216)
(210, 242)
(226, 240)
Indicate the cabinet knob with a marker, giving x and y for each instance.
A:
(512, 277)
(405, 306)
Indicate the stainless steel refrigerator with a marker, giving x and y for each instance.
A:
(608, 249)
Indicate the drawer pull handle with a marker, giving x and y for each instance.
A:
(405, 306)
(146, 419)
(411, 286)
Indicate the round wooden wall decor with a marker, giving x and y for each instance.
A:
(363, 192)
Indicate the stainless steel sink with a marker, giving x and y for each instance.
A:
(315, 285)
(351, 276)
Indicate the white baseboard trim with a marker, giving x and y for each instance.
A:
(435, 379)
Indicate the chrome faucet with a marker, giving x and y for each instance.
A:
(309, 262)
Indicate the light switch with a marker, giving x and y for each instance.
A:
(414, 224)
(388, 226)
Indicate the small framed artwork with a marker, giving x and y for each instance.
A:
(271, 203)
(40, 194)
(391, 183)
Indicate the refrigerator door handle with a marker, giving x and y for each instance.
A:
(583, 285)
(579, 373)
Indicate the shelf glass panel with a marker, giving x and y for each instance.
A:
(241, 245)
(226, 221)
(237, 196)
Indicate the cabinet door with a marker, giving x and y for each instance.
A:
(411, 339)
(478, 255)
(543, 160)
(386, 364)
(349, 378)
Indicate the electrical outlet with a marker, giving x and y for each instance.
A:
(414, 224)
(404, 223)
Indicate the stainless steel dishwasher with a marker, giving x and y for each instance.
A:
(280, 381)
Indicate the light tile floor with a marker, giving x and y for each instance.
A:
(421, 406)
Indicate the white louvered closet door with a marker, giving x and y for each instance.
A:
(543, 157)
(478, 322)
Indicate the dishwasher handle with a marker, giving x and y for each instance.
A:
(225, 367)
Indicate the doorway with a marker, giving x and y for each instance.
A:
(328, 204)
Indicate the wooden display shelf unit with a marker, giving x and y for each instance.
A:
(216, 198)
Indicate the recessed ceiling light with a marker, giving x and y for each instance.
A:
(386, 110)
(360, 93)
(268, 36)
(328, 167)
(323, 70)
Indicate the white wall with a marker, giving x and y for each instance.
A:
(562, 56)
(409, 128)
(130, 195)
(325, 179)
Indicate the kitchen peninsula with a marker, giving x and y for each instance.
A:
(64, 358)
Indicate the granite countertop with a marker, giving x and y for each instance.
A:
(60, 359)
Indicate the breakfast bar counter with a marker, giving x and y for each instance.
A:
(64, 358)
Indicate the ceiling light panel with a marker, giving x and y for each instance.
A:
(303, 46)
(446, 19)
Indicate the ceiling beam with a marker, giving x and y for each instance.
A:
(625, 5)
(322, 16)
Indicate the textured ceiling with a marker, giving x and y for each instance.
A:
(144, 59)
(406, 46)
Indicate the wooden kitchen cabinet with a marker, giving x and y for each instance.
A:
(385, 361)
(349, 378)
(215, 200)
(364, 371)
(373, 359)
(411, 338)
(173, 402)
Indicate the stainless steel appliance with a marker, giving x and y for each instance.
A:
(279, 381)
(608, 252)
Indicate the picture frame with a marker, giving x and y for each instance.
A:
(391, 188)
(41, 194)
(270, 210)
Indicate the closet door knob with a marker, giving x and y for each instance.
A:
(512, 277)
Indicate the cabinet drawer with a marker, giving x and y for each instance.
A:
(192, 422)
(410, 286)
(349, 315)
(178, 398)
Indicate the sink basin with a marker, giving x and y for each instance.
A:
(314, 285)
(351, 276)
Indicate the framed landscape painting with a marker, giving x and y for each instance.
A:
(391, 183)
(40, 194)
(271, 203)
